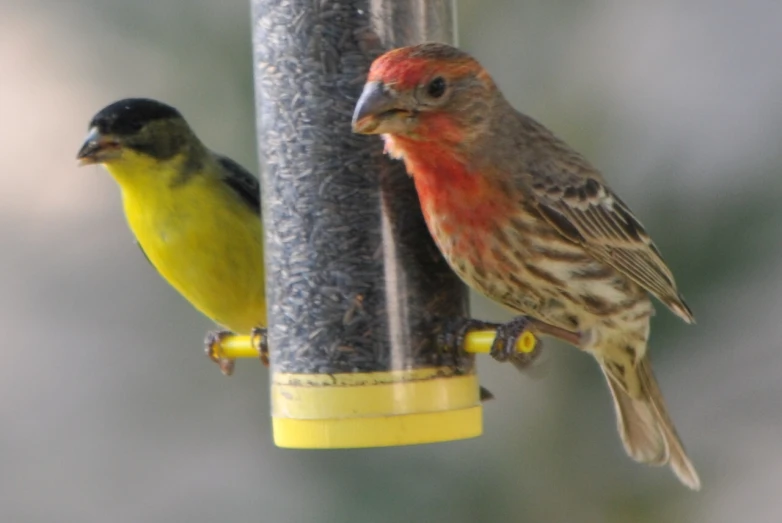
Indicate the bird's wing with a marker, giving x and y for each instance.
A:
(244, 184)
(585, 211)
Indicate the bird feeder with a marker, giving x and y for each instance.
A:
(357, 290)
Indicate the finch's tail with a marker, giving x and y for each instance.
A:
(646, 429)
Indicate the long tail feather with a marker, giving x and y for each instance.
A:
(646, 429)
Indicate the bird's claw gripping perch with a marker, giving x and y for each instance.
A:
(505, 344)
(224, 347)
(512, 341)
(260, 342)
(213, 347)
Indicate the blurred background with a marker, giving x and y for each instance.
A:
(111, 412)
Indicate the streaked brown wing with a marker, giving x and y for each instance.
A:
(586, 211)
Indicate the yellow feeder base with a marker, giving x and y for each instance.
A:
(378, 409)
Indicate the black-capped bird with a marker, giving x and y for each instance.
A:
(194, 213)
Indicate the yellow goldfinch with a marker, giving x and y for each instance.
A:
(194, 213)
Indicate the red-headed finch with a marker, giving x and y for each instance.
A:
(527, 221)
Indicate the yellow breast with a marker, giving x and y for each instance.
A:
(204, 241)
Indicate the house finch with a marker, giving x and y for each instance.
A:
(527, 221)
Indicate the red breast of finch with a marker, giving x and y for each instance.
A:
(527, 221)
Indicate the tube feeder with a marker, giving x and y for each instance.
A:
(355, 284)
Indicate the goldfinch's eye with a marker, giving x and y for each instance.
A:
(436, 87)
(135, 125)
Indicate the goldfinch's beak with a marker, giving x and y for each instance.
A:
(98, 148)
(376, 109)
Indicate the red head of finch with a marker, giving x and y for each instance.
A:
(527, 221)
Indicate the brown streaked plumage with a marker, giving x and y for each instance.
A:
(527, 221)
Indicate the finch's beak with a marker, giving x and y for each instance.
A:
(375, 110)
(98, 148)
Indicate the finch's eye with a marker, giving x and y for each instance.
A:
(436, 87)
(128, 126)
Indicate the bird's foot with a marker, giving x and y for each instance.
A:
(260, 342)
(214, 350)
(505, 344)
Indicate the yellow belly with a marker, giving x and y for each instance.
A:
(207, 244)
